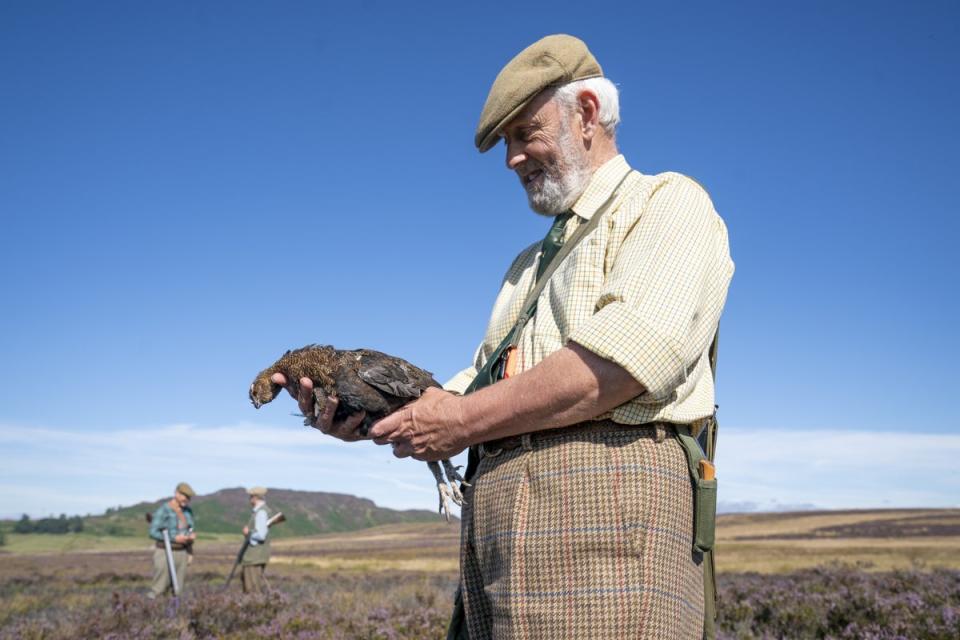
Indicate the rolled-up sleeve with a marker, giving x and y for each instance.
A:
(462, 380)
(260, 529)
(662, 299)
(157, 522)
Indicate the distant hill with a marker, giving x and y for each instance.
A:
(227, 510)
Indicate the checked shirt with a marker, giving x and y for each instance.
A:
(645, 290)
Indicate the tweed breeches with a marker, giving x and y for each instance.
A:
(587, 534)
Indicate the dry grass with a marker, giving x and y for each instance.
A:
(780, 556)
(326, 563)
(730, 526)
(735, 554)
(433, 547)
(44, 543)
(39, 543)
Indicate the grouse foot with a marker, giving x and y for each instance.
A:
(446, 486)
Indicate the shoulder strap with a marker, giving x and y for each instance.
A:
(708, 441)
(714, 348)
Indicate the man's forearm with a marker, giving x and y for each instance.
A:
(569, 386)
(259, 533)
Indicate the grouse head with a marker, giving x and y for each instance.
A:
(263, 390)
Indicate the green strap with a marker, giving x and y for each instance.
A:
(708, 436)
(552, 243)
(709, 439)
(692, 448)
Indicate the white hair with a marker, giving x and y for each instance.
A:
(607, 94)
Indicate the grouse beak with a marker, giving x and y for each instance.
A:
(253, 399)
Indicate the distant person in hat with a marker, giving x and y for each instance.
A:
(593, 378)
(176, 517)
(257, 554)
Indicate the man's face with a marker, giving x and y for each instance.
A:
(547, 156)
(182, 499)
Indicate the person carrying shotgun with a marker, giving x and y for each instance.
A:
(175, 519)
(257, 552)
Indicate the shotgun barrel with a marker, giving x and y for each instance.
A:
(170, 565)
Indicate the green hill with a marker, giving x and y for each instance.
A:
(227, 510)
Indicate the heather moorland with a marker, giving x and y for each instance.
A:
(858, 574)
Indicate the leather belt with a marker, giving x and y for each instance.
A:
(175, 546)
(526, 441)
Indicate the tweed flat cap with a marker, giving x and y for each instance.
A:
(551, 61)
(186, 490)
(260, 492)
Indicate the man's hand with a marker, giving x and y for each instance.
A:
(429, 429)
(347, 429)
(246, 531)
(184, 538)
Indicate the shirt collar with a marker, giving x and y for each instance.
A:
(601, 186)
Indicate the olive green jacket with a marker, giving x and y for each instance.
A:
(258, 552)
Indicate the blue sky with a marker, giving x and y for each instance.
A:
(187, 190)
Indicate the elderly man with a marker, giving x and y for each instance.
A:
(579, 521)
(257, 554)
(176, 517)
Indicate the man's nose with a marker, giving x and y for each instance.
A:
(515, 155)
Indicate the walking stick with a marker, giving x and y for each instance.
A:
(173, 570)
(276, 519)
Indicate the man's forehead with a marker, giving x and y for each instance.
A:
(541, 107)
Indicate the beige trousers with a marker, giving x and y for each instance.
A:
(161, 574)
(253, 578)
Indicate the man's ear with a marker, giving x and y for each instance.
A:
(589, 109)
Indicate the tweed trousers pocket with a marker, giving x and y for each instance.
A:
(589, 535)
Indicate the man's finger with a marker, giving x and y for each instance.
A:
(348, 429)
(305, 398)
(381, 429)
(402, 450)
(329, 410)
(353, 421)
(280, 379)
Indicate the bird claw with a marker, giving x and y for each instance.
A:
(446, 485)
(448, 492)
(453, 474)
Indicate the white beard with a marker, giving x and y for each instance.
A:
(563, 181)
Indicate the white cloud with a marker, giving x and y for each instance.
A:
(49, 471)
(837, 469)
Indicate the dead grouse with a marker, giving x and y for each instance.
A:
(361, 380)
